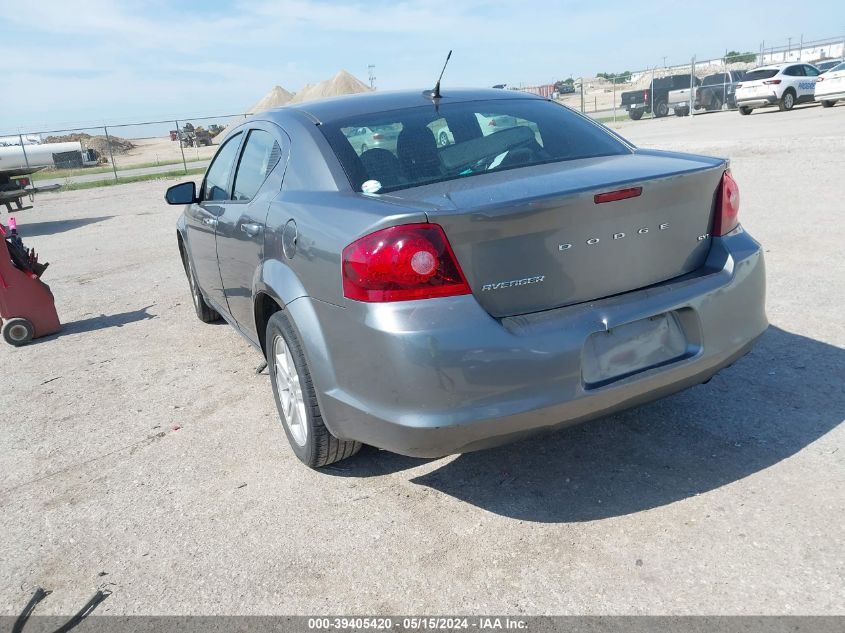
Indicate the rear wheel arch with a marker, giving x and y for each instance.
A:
(264, 307)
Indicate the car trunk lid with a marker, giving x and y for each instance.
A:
(535, 238)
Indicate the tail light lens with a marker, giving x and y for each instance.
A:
(819, 78)
(727, 206)
(772, 82)
(412, 261)
(645, 95)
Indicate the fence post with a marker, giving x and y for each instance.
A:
(23, 149)
(651, 93)
(582, 95)
(181, 147)
(614, 98)
(111, 154)
(691, 86)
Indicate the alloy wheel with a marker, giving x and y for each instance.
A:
(290, 391)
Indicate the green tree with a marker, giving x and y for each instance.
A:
(736, 57)
(616, 77)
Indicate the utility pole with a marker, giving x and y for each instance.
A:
(789, 48)
(664, 61)
(372, 72)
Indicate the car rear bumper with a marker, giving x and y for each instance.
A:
(430, 378)
(756, 102)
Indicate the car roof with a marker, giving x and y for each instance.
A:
(334, 108)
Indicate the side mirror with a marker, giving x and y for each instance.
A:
(183, 193)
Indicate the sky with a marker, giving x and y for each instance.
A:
(74, 62)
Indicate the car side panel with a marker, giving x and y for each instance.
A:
(240, 254)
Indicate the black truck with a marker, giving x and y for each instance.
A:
(654, 98)
(717, 90)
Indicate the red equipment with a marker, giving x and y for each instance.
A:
(27, 307)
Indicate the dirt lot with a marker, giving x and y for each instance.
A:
(140, 444)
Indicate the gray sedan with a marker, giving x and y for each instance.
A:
(431, 298)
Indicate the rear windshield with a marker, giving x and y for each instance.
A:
(397, 149)
(714, 80)
(764, 73)
(838, 67)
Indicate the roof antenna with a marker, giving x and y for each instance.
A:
(435, 94)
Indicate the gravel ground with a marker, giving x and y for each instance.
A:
(141, 452)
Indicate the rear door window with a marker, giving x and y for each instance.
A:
(810, 71)
(258, 159)
(216, 185)
(794, 71)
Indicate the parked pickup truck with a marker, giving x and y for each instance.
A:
(679, 98)
(655, 98)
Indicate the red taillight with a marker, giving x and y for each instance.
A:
(412, 261)
(727, 206)
(772, 82)
(645, 95)
(621, 194)
(24, 182)
(819, 78)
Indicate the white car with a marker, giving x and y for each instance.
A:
(782, 85)
(830, 87)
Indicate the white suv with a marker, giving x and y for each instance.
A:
(782, 85)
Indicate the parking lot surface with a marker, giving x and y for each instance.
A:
(142, 453)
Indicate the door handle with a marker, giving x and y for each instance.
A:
(212, 222)
(251, 229)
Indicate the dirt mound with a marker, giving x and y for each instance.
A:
(97, 142)
(343, 83)
(277, 97)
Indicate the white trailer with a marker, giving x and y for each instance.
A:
(40, 155)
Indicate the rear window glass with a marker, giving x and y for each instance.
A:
(415, 146)
(765, 73)
(715, 80)
(838, 68)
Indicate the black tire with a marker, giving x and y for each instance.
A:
(661, 109)
(716, 105)
(682, 111)
(636, 115)
(828, 104)
(745, 110)
(205, 313)
(18, 331)
(787, 100)
(320, 447)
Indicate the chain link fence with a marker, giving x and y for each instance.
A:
(119, 153)
(694, 86)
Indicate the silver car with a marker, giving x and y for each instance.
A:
(435, 299)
